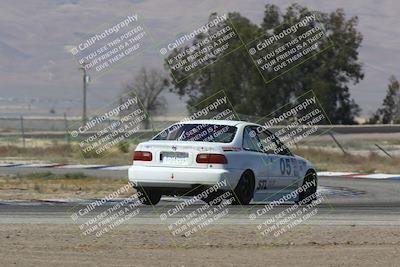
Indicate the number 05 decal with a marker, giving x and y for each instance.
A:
(286, 166)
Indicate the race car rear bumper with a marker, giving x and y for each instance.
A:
(147, 176)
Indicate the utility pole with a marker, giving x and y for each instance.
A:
(22, 131)
(85, 81)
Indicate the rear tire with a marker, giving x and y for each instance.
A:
(149, 196)
(311, 191)
(244, 190)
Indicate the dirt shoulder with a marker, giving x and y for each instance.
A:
(46, 185)
(222, 245)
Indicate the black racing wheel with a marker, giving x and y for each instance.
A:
(310, 192)
(149, 196)
(244, 190)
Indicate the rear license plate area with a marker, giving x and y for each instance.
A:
(174, 158)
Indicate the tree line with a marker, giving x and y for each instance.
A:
(329, 74)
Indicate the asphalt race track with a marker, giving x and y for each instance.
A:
(345, 201)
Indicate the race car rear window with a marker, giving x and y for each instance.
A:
(198, 132)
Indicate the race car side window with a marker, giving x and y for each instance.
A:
(268, 145)
(250, 140)
(283, 149)
(271, 143)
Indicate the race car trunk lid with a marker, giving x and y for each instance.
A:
(178, 153)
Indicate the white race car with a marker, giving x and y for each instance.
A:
(243, 158)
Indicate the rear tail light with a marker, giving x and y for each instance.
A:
(211, 158)
(142, 156)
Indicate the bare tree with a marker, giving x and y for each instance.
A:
(389, 113)
(149, 86)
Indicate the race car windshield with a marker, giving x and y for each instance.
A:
(198, 132)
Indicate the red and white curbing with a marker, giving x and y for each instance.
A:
(360, 175)
(123, 168)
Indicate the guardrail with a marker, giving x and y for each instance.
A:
(358, 129)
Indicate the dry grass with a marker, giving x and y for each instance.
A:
(337, 161)
(67, 154)
(57, 186)
(39, 151)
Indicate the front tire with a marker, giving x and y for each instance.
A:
(310, 192)
(244, 190)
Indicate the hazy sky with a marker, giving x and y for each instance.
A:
(36, 67)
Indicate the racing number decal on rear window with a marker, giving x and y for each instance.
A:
(286, 167)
